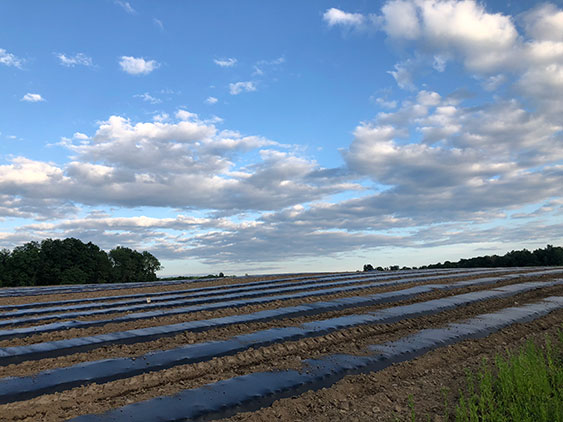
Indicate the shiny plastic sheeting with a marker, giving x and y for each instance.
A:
(251, 392)
(51, 381)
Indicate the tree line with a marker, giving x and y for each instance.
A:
(543, 257)
(70, 261)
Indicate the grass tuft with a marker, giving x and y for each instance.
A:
(525, 386)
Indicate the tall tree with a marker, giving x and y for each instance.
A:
(130, 265)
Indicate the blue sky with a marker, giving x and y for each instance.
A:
(263, 136)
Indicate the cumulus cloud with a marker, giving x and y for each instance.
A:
(229, 62)
(403, 75)
(335, 17)
(187, 163)
(545, 22)
(79, 136)
(137, 65)
(211, 100)
(401, 20)
(469, 161)
(8, 59)
(238, 87)
(484, 39)
(32, 98)
(28, 172)
(447, 28)
(433, 169)
(78, 59)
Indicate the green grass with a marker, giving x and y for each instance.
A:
(526, 385)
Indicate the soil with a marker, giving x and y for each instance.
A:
(376, 396)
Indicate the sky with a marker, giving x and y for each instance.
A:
(283, 136)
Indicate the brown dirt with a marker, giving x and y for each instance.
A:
(377, 396)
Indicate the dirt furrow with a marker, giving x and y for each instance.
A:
(195, 316)
(432, 380)
(16, 300)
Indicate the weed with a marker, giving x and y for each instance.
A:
(525, 386)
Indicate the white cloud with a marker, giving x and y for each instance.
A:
(486, 41)
(79, 136)
(472, 163)
(230, 62)
(148, 98)
(9, 59)
(385, 103)
(400, 19)
(32, 98)
(125, 5)
(238, 87)
(23, 171)
(187, 163)
(273, 62)
(137, 65)
(439, 62)
(436, 168)
(78, 59)
(402, 76)
(186, 115)
(335, 17)
(487, 44)
(161, 117)
(544, 23)
(427, 98)
(211, 100)
(492, 83)
(158, 23)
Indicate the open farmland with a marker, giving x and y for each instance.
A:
(298, 347)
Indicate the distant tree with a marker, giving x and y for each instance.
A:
(71, 261)
(548, 256)
(22, 266)
(150, 266)
(4, 266)
(368, 267)
(130, 265)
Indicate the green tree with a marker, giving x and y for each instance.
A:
(150, 266)
(22, 265)
(70, 261)
(130, 265)
(368, 267)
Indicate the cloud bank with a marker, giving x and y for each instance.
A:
(434, 168)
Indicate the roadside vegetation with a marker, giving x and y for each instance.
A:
(70, 261)
(523, 386)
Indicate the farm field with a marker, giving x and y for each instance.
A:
(306, 347)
